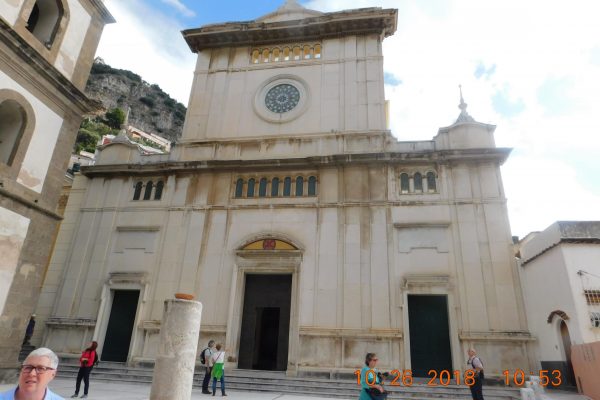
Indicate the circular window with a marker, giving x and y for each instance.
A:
(282, 98)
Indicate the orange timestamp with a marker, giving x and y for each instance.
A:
(437, 378)
(547, 377)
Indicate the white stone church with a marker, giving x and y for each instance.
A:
(308, 231)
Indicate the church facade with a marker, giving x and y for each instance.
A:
(46, 52)
(310, 234)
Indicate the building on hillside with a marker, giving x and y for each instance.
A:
(148, 143)
(152, 138)
(309, 232)
(46, 51)
(565, 309)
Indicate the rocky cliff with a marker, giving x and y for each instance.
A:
(152, 110)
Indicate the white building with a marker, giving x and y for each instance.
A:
(309, 232)
(560, 274)
(46, 52)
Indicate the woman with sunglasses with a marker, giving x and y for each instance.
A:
(372, 388)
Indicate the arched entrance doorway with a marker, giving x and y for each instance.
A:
(266, 321)
(566, 344)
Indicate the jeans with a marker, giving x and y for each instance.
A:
(214, 386)
(477, 388)
(206, 379)
(84, 373)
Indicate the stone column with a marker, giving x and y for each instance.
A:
(176, 356)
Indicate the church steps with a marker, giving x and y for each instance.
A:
(267, 381)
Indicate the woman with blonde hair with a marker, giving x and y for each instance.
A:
(218, 369)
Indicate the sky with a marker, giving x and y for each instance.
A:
(532, 68)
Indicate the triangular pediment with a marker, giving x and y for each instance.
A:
(290, 11)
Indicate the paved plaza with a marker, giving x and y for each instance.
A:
(130, 391)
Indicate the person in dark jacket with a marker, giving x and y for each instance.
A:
(29, 330)
(88, 358)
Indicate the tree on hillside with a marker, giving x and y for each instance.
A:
(114, 118)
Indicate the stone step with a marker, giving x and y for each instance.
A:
(268, 381)
(25, 350)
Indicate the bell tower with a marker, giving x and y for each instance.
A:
(293, 72)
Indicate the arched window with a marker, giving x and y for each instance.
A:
(297, 53)
(251, 183)
(255, 56)
(312, 186)
(262, 187)
(138, 190)
(265, 56)
(287, 186)
(299, 186)
(44, 20)
(431, 186)
(12, 125)
(275, 187)
(317, 51)
(159, 189)
(307, 52)
(404, 183)
(148, 191)
(276, 54)
(286, 54)
(418, 182)
(239, 188)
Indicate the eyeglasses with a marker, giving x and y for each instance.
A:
(40, 369)
(374, 359)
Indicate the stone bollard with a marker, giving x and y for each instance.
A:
(176, 356)
(527, 394)
(538, 389)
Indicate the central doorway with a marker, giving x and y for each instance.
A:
(264, 338)
(429, 334)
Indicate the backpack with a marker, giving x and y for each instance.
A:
(203, 356)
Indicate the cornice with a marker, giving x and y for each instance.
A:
(353, 22)
(441, 156)
(22, 50)
(106, 16)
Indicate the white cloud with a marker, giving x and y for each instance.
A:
(150, 44)
(179, 6)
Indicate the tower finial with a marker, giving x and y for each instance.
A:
(464, 115)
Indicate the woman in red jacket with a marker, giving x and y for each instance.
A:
(86, 363)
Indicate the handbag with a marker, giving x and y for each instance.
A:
(375, 394)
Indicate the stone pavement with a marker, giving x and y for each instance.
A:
(131, 391)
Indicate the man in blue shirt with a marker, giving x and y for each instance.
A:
(38, 369)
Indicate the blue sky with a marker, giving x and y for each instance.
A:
(202, 12)
(530, 67)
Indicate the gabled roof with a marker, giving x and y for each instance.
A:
(290, 11)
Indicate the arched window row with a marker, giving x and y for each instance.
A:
(299, 186)
(418, 182)
(286, 53)
(148, 190)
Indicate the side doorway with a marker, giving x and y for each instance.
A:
(429, 334)
(120, 325)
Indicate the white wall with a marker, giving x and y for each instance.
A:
(79, 22)
(9, 10)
